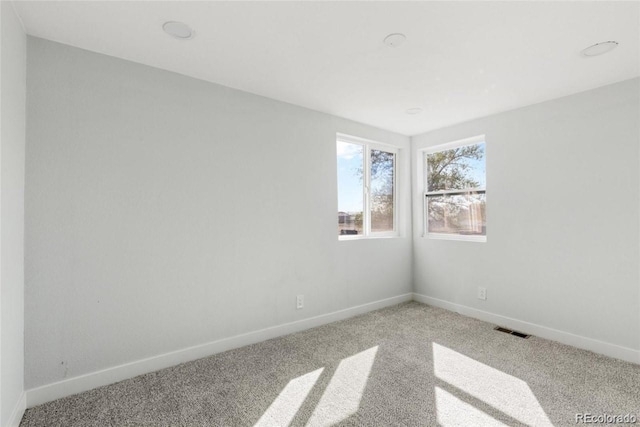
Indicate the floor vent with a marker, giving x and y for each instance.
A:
(510, 332)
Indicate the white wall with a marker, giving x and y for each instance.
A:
(165, 212)
(562, 246)
(12, 164)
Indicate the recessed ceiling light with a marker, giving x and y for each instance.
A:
(600, 48)
(178, 30)
(394, 40)
(413, 111)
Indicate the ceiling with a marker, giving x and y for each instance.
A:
(460, 61)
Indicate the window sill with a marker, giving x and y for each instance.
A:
(459, 237)
(381, 236)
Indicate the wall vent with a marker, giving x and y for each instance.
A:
(510, 332)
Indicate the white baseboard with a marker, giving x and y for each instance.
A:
(18, 411)
(608, 349)
(57, 390)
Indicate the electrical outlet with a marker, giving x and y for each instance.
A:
(482, 293)
(300, 302)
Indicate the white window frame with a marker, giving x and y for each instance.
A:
(422, 171)
(369, 145)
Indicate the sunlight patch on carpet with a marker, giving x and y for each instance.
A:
(502, 391)
(342, 396)
(285, 407)
(454, 412)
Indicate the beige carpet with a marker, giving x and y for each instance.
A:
(407, 365)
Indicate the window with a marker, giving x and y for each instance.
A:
(366, 188)
(455, 190)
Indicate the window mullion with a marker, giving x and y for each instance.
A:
(395, 193)
(366, 215)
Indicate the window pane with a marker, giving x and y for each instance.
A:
(382, 190)
(350, 188)
(457, 214)
(456, 169)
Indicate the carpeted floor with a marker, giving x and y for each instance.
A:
(407, 365)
